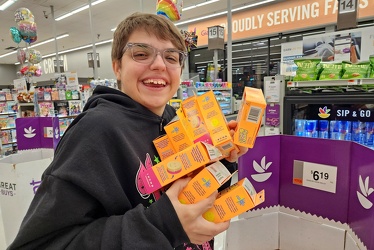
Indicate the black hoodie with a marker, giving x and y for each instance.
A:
(90, 197)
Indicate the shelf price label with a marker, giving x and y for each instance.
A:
(314, 175)
(48, 132)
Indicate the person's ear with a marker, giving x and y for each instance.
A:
(116, 65)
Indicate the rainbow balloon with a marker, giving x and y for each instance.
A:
(172, 9)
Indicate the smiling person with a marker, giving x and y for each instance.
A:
(90, 196)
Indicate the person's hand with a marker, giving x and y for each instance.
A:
(234, 155)
(198, 229)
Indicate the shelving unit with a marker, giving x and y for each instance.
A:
(341, 82)
(26, 109)
(8, 136)
(223, 96)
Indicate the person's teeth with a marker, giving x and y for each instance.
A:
(159, 82)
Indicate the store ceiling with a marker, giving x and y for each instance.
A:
(105, 16)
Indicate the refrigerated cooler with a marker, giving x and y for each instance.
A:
(339, 116)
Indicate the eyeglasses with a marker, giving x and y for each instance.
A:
(146, 54)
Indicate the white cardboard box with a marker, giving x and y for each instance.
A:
(20, 176)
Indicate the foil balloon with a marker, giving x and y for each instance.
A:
(21, 55)
(34, 56)
(190, 39)
(23, 14)
(38, 72)
(15, 34)
(31, 39)
(24, 70)
(171, 9)
(28, 30)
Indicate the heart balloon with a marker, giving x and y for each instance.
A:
(15, 34)
(21, 55)
(23, 14)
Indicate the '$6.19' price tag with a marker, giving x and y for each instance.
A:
(314, 175)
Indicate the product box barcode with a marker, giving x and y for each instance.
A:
(254, 114)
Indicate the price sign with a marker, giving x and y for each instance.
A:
(346, 6)
(48, 132)
(314, 175)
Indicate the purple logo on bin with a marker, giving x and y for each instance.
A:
(37, 132)
(261, 169)
(27, 130)
(365, 192)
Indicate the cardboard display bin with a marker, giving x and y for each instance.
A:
(321, 191)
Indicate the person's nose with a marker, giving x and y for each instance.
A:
(158, 62)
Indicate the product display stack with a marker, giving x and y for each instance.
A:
(193, 145)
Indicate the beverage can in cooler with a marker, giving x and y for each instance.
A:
(311, 128)
(300, 127)
(359, 132)
(323, 129)
(369, 134)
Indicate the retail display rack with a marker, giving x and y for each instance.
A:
(221, 90)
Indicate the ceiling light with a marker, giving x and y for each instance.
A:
(224, 12)
(201, 18)
(252, 5)
(78, 10)
(78, 48)
(48, 41)
(196, 19)
(37, 44)
(198, 5)
(7, 4)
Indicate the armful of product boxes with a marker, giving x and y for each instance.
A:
(194, 143)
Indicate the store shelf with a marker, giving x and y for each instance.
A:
(223, 96)
(342, 82)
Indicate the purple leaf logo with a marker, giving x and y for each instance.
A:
(261, 169)
(365, 193)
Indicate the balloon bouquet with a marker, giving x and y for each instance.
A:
(26, 31)
(172, 9)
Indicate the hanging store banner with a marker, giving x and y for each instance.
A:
(284, 16)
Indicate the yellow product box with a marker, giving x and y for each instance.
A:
(234, 201)
(178, 135)
(164, 147)
(177, 166)
(249, 117)
(204, 183)
(193, 121)
(216, 123)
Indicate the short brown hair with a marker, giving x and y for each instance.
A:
(158, 25)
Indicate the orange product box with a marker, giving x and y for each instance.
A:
(234, 200)
(178, 135)
(250, 117)
(216, 123)
(178, 165)
(164, 147)
(193, 121)
(204, 183)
